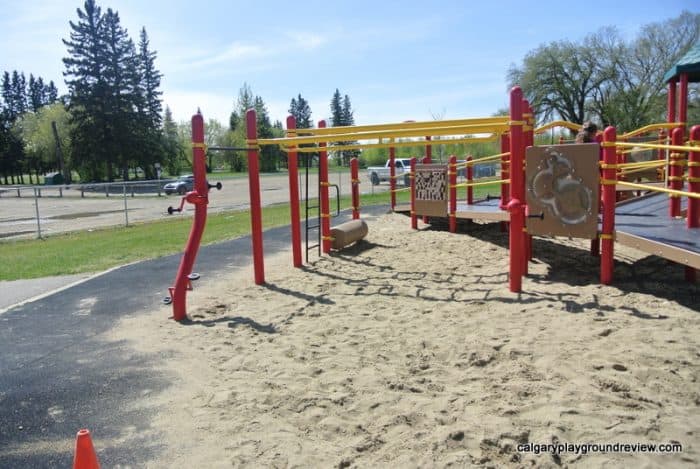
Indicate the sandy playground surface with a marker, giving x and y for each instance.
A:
(408, 350)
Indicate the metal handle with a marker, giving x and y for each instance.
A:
(337, 199)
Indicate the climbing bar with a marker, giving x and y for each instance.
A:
(485, 183)
(649, 128)
(482, 160)
(412, 143)
(568, 125)
(672, 192)
(650, 145)
(398, 133)
(634, 171)
(639, 164)
(402, 126)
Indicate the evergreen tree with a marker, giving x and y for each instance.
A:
(348, 118)
(269, 154)
(150, 80)
(51, 93)
(300, 109)
(87, 87)
(336, 109)
(173, 152)
(37, 93)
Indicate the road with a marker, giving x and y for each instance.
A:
(71, 212)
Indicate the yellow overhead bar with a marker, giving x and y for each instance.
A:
(392, 133)
(403, 125)
(568, 125)
(650, 128)
(416, 143)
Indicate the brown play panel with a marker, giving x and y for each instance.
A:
(562, 190)
(431, 190)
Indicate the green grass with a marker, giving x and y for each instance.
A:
(94, 251)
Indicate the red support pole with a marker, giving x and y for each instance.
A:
(199, 198)
(607, 235)
(425, 160)
(671, 102)
(428, 151)
(517, 190)
(505, 172)
(683, 100)
(470, 179)
(254, 189)
(355, 182)
(323, 191)
(529, 142)
(452, 183)
(693, 215)
(414, 218)
(675, 178)
(293, 172)
(392, 176)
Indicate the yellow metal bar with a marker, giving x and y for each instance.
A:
(672, 192)
(650, 128)
(650, 145)
(476, 184)
(639, 164)
(568, 125)
(393, 133)
(400, 190)
(403, 125)
(417, 143)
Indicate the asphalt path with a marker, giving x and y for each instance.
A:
(58, 374)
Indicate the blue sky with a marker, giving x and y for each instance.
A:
(396, 60)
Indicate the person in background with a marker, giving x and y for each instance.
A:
(587, 134)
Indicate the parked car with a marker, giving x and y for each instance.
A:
(181, 186)
(377, 174)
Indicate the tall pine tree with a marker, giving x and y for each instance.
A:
(300, 109)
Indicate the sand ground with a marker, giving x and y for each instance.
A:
(408, 350)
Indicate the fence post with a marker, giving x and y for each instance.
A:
(38, 219)
(126, 212)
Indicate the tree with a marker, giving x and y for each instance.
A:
(300, 109)
(174, 157)
(342, 115)
(604, 77)
(37, 133)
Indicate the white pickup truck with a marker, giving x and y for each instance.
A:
(402, 166)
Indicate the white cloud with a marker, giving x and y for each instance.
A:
(184, 104)
(234, 52)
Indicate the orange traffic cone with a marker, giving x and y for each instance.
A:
(85, 457)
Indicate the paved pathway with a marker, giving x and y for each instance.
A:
(58, 375)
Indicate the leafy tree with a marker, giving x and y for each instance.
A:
(604, 77)
(37, 134)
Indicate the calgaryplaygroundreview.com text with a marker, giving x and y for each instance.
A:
(586, 448)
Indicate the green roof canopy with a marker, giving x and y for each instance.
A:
(689, 63)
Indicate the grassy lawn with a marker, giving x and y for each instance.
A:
(97, 250)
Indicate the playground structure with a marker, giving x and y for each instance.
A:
(550, 191)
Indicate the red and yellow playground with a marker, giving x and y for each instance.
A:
(590, 190)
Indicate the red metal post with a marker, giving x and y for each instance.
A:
(693, 216)
(392, 176)
(607, 240)
(452, 182)
(671, 102)
(529, 142)
(355, 184)
(426, 160)
(199, 198)
(683, 100)
(254, 190)
(505, 172)
(517, 191)
(428, 151)
(470, 179)
(414, 218)
(675, 178)
(323, 191)
(293, 172)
